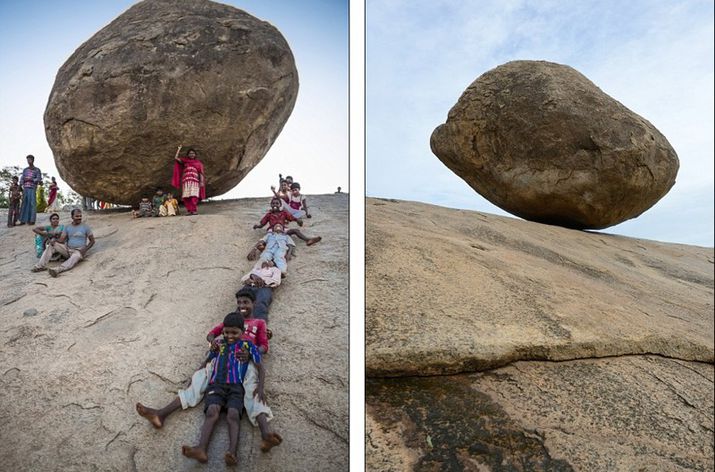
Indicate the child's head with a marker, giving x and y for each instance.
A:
(233, 326)
(159, 192)
(278, 228)
(169, 196)
(276, 204)
(295, 188)
(244, 302)
(289, 179)
(14, 179)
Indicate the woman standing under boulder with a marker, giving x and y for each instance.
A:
(189, 177)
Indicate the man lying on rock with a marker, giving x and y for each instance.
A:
(275, 246)
(258, 412)
(261, 281)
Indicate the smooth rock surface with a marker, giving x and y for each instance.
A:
(461, 291)
(542, 142)
(164, 73)
(129, 324)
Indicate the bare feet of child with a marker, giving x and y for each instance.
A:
(271, 440)
(230, 459)
(195, 453)
(150, 414)
(314, 240)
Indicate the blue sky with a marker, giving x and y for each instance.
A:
(655, 57)
(40, 35)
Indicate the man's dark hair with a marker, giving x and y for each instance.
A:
(246, 293)
(74, 210)
(295, 185)
(233, 320)
(30, 156)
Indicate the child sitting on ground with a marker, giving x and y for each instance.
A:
(145, 208)
(157, 202)
(297, 204)
(283, 190)
(170, 206)
(225, 389)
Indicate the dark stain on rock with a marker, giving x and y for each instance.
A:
(458, 428)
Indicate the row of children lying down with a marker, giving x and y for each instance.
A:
(232, 376)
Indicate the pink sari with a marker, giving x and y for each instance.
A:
(179, 178)
(53, 194)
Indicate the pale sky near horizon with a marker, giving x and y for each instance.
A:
(655, 57)
(40, 35)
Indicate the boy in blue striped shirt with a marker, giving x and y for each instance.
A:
(226, 388)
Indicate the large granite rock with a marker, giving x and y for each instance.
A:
(464, 291)
(109, 334)
(499, 344)
(541, 141)
(163, 73)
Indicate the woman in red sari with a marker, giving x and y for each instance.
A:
(189, 178)
(52, 196)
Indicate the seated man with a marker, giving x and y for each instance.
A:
(73, 243)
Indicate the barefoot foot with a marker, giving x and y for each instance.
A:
(195, 453)
(312, 241)
(230, 459)
(150, 414)
(270, 440)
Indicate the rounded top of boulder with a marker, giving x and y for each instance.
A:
(541, 141)
(163, 73)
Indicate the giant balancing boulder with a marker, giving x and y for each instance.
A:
(542, 142)
(163, 73)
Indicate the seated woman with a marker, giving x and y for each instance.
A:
(47, 233)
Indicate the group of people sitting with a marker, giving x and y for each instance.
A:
(232, 376)
(68, 243)
(160, 205)
(26, 196)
